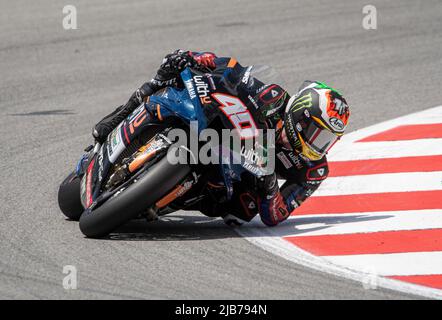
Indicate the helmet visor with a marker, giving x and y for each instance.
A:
(319, 139)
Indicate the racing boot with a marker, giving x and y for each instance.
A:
(103, 128)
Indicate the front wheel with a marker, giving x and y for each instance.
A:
(139, 196)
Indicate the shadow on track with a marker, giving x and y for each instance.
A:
(184, 227)
(174, 227)
(45, 113)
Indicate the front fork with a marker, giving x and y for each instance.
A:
(80, 169)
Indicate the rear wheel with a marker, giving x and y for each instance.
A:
(69, 197)
(153, 185)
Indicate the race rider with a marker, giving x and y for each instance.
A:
(306, 126)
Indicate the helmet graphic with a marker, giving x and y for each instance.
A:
(315, 119)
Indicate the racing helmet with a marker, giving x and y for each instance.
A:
(315, 119)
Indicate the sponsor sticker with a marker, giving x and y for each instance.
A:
(296, 160)
(253, 101)
(115, 144)
(285, 161)
(337, 123)
(202, 88)
(190, 89)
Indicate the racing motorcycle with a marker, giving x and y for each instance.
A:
(131, 174)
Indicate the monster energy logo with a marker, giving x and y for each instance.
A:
(304, 101)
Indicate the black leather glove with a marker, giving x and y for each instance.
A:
(173, 64)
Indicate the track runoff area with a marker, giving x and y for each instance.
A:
(377, 219)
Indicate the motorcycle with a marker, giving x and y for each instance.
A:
(131, 174)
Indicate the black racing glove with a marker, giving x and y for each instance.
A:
(173, 64)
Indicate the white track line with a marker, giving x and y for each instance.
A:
(349, 223)
(265, 237)
(386, 149)
(393, 264)
(428, 116)
(286, 250)
(380, 183)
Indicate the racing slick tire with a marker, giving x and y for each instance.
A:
(139, 196)
(69, 197)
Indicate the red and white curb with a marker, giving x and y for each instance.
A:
(377, 219)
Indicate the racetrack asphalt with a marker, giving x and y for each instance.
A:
(55, 84)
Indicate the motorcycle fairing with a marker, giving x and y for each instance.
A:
(117, 141)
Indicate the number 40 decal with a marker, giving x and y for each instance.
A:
(238, 115)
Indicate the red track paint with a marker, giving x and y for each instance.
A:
(432, 280)
(407, 132)
(371, 202)
(371, 243)
(387, 165)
